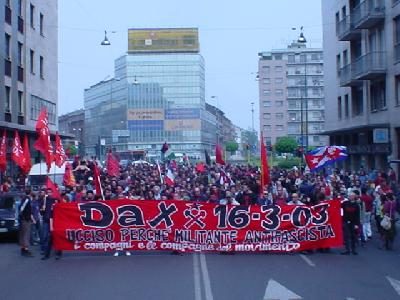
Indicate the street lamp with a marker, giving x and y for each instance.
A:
(105, 42)
(304, 98)
(216, 116)
(252, 116)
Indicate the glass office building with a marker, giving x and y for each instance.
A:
(156, 96)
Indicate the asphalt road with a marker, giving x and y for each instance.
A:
(201, 276)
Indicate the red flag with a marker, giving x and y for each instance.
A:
(265, 178)
(112, 165)
(200, 167)
(169, 178)
(218, 155)
(17, 152)
(97, 183)
(51, 185)
(3, 153)
(43, 143)
(69, 178)
(27, 153)
(59, 156)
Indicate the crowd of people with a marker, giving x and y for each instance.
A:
(367, 197)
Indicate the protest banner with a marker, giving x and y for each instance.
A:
(189, 226)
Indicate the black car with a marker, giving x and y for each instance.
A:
(9, 205)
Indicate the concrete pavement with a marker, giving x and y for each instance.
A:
(200, 276)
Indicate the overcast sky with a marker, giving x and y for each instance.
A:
(231, 35)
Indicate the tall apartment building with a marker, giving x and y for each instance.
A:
(291, 92)
(362, 79)
(157, 95)
(28, 64)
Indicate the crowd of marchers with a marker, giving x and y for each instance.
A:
(369, 198)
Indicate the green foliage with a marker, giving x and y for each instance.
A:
(72, 150)
(231, 146)
(171, 156)
(286, 145)
(289, 163)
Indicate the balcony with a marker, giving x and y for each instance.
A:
(345, 30)
(7, 15)
(369, 66)
(368, 14)
(346, 76)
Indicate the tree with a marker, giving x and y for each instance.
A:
(250, 137)
(231, 146)
(286, 145)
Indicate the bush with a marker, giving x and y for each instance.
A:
(289, 163)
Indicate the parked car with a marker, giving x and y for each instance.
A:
(9, 206)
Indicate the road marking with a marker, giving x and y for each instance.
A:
(206, 277)
(395, 284)
(307, 260)
(275, 291)
(196, 275)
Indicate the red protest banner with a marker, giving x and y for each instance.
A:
(188, 226)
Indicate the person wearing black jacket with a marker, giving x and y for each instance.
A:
(351, 220)
(26, 219)
(246, 197)
(46, 207)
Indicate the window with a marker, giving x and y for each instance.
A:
(278, 69)
(7, 49)
(279, 92)
(303, 58)
(291, 58)
(316, 103)
(397, 83)
(41, 23)
(396, 22)
(279, 127)
(8, 99)
(20, 8)
(339, 108)
(315, 56)
(316, 91)
(267, 103)
(20, 54)
(278, 80)
(32, 15)
(378, 97)
(20, 103)
(346, 106)
(267, 127)
(279, 116)
(266, 69)
(267, 116)
(315, 138)
(292, 117)
(267, 80)
(338, 66)
(267, 92)
(279, 103)
(32, 61)
(37, 104)
(41, 67)
(278, 56)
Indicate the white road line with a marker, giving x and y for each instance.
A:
(307, 260)
(206, 277)
(196, 276)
